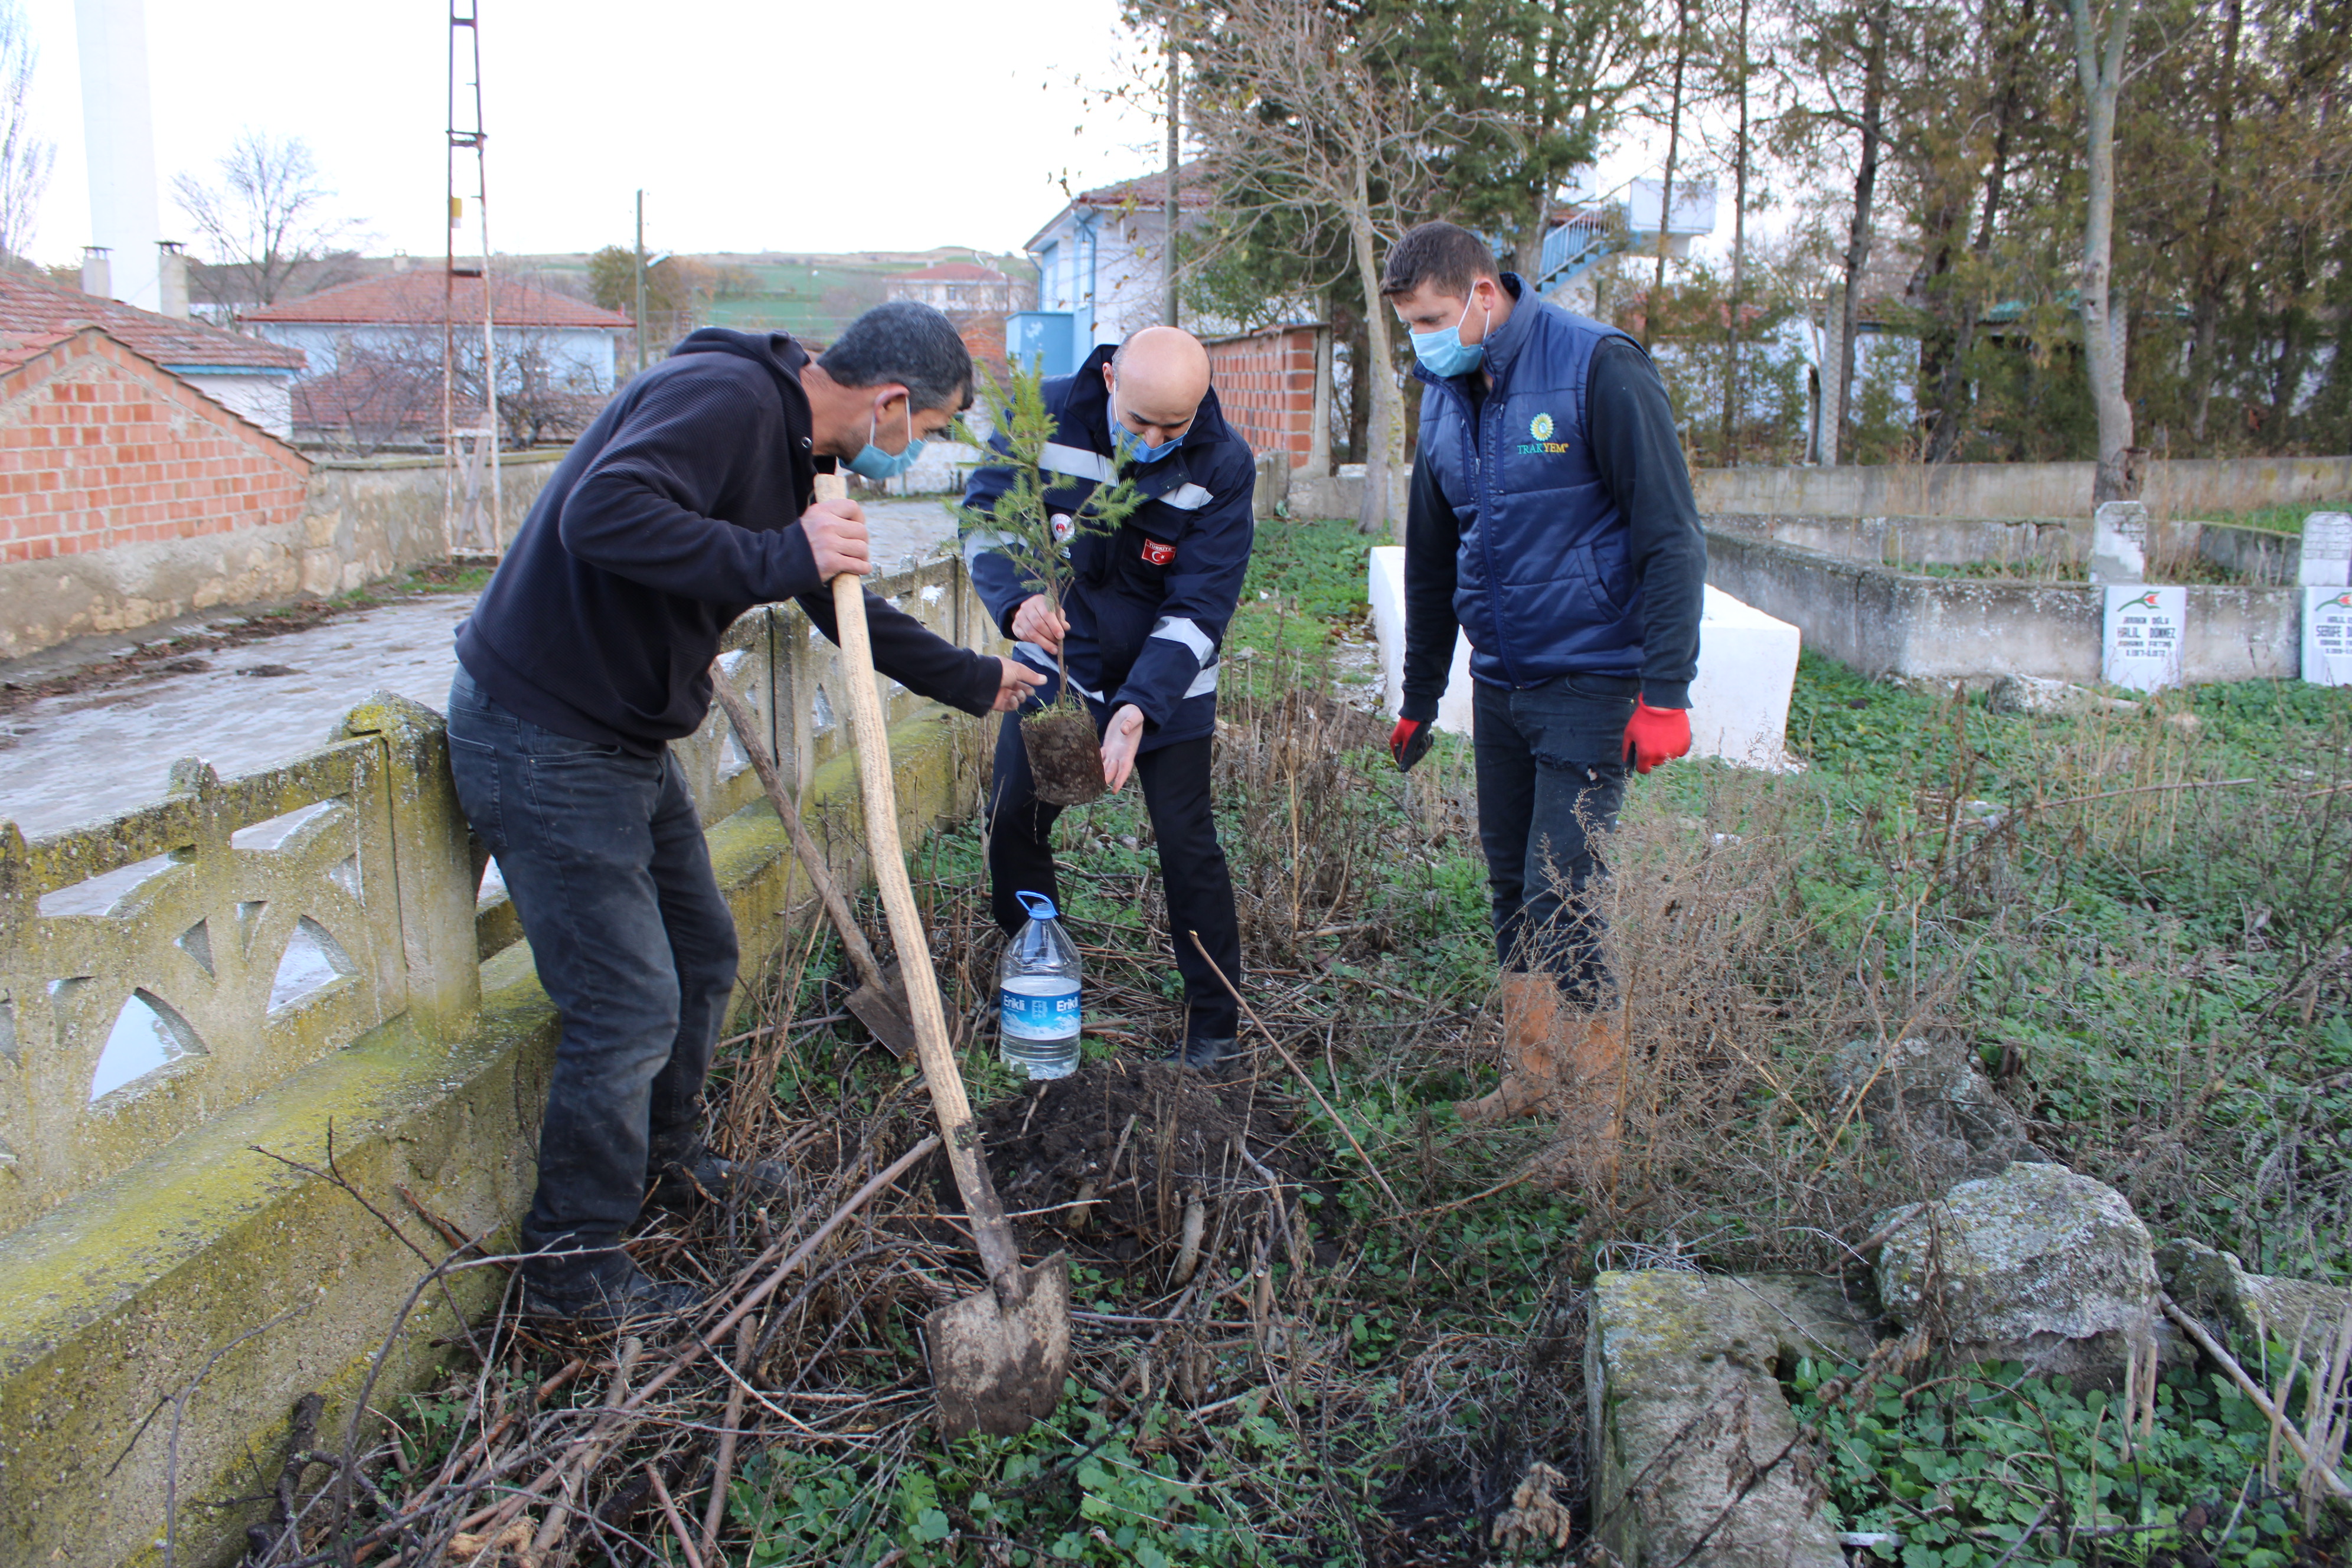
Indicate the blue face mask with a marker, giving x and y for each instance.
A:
(1130, 446)
(1443, 352)
(874, 463)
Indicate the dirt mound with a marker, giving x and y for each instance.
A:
(1109, 1160)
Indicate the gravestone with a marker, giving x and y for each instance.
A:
(2119, 543)
(2145, 627)
(2327, 578)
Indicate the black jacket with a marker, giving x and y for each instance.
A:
(1147, 604)
(676, 511)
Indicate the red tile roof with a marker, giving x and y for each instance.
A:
(1192, 190)
(34, 312)
(952, 272)
(416, 295)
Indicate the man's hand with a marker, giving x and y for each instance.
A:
(1656, 735)
(1409, 742)
(836, 536)
(1120, 741)
(1016, 682)
(1038, 621)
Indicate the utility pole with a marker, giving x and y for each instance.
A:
(641, 280)
(1175, 105)
(462, 488)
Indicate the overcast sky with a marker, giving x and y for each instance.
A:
(818, 125)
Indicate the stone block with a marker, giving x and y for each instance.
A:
(2215, 1287)
(2119, 543)
(1682, 1373)
(1925, 1097)
(2035, 1264)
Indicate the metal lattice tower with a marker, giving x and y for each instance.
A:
(467, 452)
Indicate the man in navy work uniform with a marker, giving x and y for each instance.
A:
(685, 503)
(1146, 615)
(1551, 521)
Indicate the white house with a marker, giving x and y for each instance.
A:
(1103, 257)
(385, 315)
(956, 288)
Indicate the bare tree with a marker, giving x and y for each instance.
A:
(266, 219)
(1304, 110)
(25, 158)
(2100, 62)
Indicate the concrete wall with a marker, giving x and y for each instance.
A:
(346, 524)
(140, 1235)
(2185, 488)
(1886, 622)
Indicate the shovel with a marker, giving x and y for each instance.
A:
(877, 1003)
(998, 1358)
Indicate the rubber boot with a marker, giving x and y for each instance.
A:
(1531, 1017)
(1590, 1101)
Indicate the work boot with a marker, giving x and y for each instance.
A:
(1591, 1101)
(1205, 1051)
(602, 1290)
(1531, 1015)
(703, 1177)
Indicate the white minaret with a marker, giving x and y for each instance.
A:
(118, 131)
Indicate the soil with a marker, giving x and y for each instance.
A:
(1141, 1139)
(1065, 756)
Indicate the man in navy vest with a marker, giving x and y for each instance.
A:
(1145, 613)
(1551, 521)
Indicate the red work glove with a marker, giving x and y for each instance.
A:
(1656, 735)
(1409, 742)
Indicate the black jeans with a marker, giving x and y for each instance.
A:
(603, 855)
(1552, 774)
(1192, 865)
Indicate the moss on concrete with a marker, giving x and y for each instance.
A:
(112, 1304)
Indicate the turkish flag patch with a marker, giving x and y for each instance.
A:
(1158, 555)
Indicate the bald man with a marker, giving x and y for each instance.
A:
(1144, 618)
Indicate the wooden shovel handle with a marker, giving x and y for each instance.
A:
(992, 1232)
(861, 953)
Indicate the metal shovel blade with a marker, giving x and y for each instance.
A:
(884, 1013)
(996, 1369)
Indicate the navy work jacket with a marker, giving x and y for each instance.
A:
(1149, 602)
(1544, 581)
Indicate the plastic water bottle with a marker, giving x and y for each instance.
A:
(1037, 994)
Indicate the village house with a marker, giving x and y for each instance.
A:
(1102, 265)
(957, 287)
(248, 378)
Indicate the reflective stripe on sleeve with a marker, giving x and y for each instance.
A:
(1202, 683)
(982, 540)
(1182, 629)
(1076, 462)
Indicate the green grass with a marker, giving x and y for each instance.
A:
(2288, 518)
(2153, 974)
(1961, 1467)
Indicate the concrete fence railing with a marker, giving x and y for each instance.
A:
(298, 960)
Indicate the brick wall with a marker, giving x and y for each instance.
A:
(1265, 384)
(99, 447)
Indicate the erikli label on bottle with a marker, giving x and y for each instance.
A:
(1040, 1007)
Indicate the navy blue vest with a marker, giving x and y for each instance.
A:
(1544, 583)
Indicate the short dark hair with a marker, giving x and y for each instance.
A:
(906, 342)
(1445, 255)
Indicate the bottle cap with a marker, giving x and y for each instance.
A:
(1039, 906)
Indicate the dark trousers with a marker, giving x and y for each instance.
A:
(1192, 865)
(1552, 774)
(603, 855)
